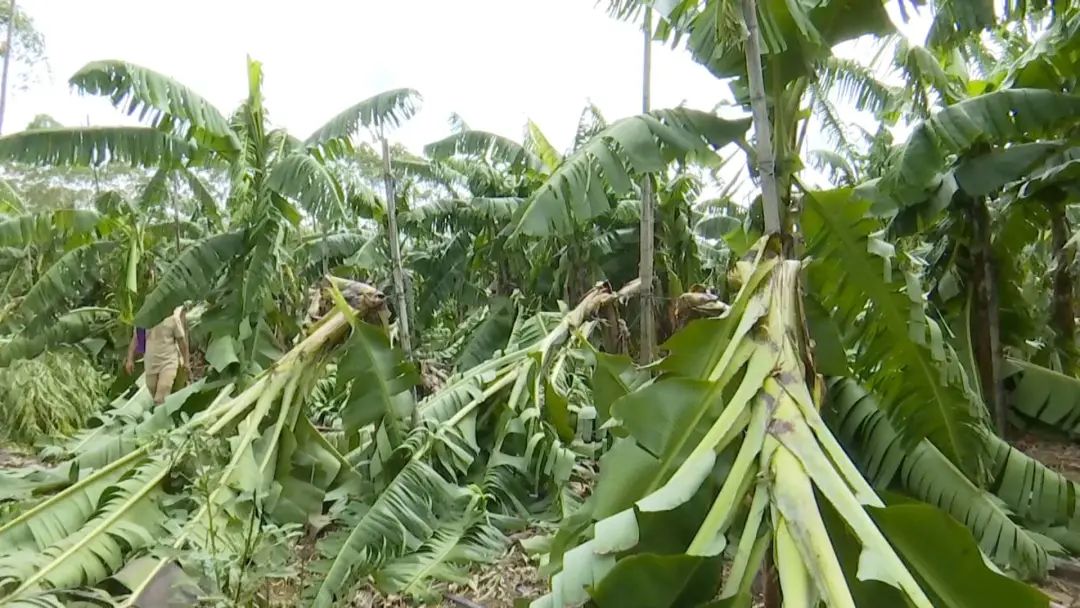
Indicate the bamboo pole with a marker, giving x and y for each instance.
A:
(7, 65)
(648, 223)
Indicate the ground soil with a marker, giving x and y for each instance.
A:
(499, 585)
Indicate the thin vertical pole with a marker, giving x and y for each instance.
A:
(8, 50)
(648, 222)
(766, 159)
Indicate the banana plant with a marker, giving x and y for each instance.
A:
(277, 466)
(739, 457)
(278, 184)
(504, 426)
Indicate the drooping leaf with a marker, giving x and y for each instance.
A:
(403, 516)
(319, 252)
(1044, 395)
(40, 228)
(304, 179)
(65, 282)
(128, 517)
(481, 144)
(575, 192)
(172, 106)
(192, 275)
(69, 328)
(386, 109)
(447, 556)
(10, 200)
(1000, 117)
(945, 557)
(94, 146)
(614, 377)
(923, 472)
(901, 352)
(490, 336)
(381, 379)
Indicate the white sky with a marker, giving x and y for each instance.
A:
(495, 62)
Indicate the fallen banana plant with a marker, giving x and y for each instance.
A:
(726, 453)
(422, 498)
(501, 428)
(277, 466)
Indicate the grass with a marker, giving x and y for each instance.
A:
(54, 394)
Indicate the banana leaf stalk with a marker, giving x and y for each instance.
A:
(90, 529)
(784, 458)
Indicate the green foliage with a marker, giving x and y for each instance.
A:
(66, 282)
(923, 472)
(44, 227)
(68, 329)
(490, 336)
(399, 520)
(902, 357)
(1001, 117)
(51, 395)
(1044, 395)
(382, 111)
(483, 145)
(190, 276)
(575, 194)
(381, 380)
(94, 146)
(172, 106)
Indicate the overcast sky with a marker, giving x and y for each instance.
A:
(495, 62)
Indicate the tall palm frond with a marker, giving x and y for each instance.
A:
(172, 106)
(94, 146)
(482, 144)
(379, 112)
(575, 192)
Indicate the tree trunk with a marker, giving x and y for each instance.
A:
(985, 316)
(1064, 311)
(766, 159)
(400, 296)
(648, 240)
(7, 65)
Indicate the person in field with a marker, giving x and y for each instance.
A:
(166, 350)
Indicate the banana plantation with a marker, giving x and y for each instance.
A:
(759, 354)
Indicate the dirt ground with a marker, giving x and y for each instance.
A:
(499, 585)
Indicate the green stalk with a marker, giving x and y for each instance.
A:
(115, 466)
(794, 577)
(740, 563)
(97, 530)
(735, 485)
(794, 499)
